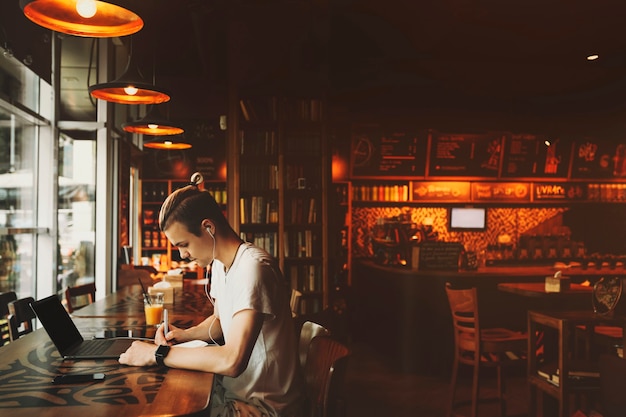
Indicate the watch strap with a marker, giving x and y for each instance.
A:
(161, 353)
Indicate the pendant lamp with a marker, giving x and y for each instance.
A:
(166, 143)
(130, 88)
(153, 124)
(89, 18)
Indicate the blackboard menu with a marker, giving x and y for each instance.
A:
(467, 155)
(445, 256)
(529, 155)
(380, 153)
(595, 158)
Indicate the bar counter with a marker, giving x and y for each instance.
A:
(406, 311)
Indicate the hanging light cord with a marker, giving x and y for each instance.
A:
(93, 47)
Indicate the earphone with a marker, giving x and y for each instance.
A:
(206, 277)
(206, 284)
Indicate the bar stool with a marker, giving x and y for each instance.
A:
(478, 347)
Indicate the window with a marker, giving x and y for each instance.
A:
(21, 127)
(76, 211)
(18, 140)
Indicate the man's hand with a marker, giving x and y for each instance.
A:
(139, 354)
(175, 335)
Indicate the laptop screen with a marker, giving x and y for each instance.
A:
(57, 322)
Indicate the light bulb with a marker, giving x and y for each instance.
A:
(167, 143)
(153, 126)
(130, 90)
(86, 8)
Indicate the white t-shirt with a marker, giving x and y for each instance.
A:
(255, 282)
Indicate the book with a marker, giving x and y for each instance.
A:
(244, 110)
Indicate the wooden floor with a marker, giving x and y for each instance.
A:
(374, 389)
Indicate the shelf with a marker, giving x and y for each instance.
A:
(284, 172)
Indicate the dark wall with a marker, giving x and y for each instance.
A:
(601, 226)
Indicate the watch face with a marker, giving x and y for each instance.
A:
(161, 353)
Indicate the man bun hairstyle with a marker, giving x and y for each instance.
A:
(190, 205)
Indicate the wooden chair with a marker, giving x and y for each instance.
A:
(325, 371)
(21, 317)
(308, 331)
(86, 291)
(5, 332)
(480, 347)
(294, 302)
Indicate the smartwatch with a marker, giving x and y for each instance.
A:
(161, 353)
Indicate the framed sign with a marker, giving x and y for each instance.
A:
(466, 154)
(529, 155)
(596, 158)
(451, 191)
(440, 256)
(379, 153)
(501, 191)
(559, 192)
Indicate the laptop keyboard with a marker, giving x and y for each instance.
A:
(94, 347)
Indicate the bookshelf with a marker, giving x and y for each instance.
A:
(340, 244)
(154, 244)
(283, 172)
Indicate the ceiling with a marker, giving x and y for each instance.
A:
(371, 55)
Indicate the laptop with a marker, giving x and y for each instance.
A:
(66, 337)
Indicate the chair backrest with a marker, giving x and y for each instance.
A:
(465, 319)
(325, 372)
(5, 299)
(21, 317)
(86, 291)
(294, 302)
(308, 331)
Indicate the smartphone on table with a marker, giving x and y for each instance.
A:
(77, 378)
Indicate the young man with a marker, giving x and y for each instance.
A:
(256, 368)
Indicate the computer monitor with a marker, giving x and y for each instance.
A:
(467, 219)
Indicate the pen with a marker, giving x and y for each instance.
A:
(165, 322)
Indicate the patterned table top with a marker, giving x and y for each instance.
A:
(28, 365)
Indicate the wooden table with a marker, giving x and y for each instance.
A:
(28, 365)
(538, 289)
(561, 355)
(190, 301)
(535, 296)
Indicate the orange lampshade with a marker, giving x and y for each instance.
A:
(168, 143)
(63, 16)
(129, 89)
(153, 124)
(153, 129)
